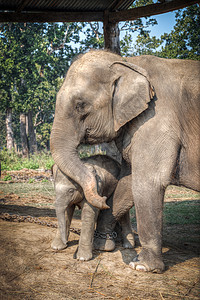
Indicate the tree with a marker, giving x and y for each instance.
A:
(182, 42)
(133, 28)
(93, 33)
(184, 39)
(146, 45)
(2, 130)
(34, 59)
(9, 130)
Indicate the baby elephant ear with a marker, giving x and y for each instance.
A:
(132, 92)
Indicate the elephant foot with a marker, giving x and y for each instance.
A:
(57, 244)
(104, 241)
(104, 245)
(147, 261)
(128, 241)
(84, 253)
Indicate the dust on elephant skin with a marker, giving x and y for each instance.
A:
(69, 194)
(150, 107)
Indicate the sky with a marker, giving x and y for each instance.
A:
(166, 23)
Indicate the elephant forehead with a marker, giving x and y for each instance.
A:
(89, 72)
(87, 88)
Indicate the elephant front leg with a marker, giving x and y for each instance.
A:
(149, 206)
(88, 217)
(62, 234)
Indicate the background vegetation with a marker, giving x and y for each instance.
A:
(34, 58)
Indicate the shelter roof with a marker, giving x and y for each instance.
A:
(82, 10)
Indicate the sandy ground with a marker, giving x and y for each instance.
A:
(30, 269)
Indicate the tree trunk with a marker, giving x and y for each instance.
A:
(24, 139)
(111, 35)
(31, 133)
(9, 131)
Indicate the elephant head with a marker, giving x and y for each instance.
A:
(100, 94)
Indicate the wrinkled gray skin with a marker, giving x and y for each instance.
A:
(69, 194)
(150, 107)
(120, 203)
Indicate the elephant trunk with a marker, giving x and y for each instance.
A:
(64, 143)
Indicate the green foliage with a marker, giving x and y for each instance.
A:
(180, 212)
(126, 44)
(44, 180)
(31, 180)
(7, 178)
(134, 28)
(43, 135)
(2, 130)
(12, 161)
(184, 40)
(34, 58)
(87, 151)
(146, 45)
(93, 36)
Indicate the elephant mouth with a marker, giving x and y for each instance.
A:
(92, 137)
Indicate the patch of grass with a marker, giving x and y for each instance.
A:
(179, 193)
(24, 189)
(13, 161)
(31, 180)
(7, 178)
(183, 212)
(42, 160)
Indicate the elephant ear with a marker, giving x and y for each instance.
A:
(132, 92)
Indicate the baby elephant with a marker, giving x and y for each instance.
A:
(69, 194)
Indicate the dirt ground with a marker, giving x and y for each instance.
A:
(30, 269)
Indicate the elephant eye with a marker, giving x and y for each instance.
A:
(71, 191)
(80, 107)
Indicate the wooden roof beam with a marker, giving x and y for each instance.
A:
(113, 17)
(149, 10)
(43, 17)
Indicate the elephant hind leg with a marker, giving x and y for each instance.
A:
(122, 197)
(189, 167)
(127, 232)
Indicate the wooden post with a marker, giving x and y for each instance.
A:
(111, 34)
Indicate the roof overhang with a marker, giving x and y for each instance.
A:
(82, 10)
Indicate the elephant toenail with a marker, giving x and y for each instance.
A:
(141, 268)
(132, 265)
(81, 258)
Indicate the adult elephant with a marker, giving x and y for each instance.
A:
(150, 107)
